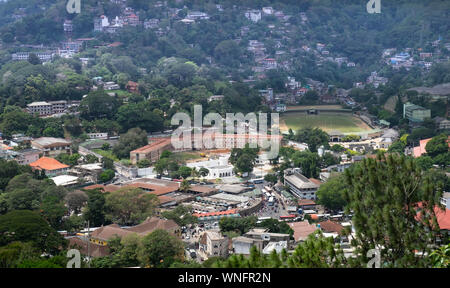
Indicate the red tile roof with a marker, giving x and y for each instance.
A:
(153, 223)
(154, 146)
(104, 188)
(302, 229)
(331, 226)
(49, 164)
(221, 213)
(442, 216)
(155, 189)
(315, 181)
(305, 202)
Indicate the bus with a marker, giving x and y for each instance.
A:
(261, 219)
(271, 201)
(291, 217)
(257, 181)
(268, 188)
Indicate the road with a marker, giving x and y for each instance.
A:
(275, 211)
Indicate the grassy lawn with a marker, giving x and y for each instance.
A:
(186, 156)
(345, 123)
(108, 154)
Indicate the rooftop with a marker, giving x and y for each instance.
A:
(49, 164)
(302, 230)
(300, 181)
(331, 226)
(64, 180)
(50, 141)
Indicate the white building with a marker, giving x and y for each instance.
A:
(218, 168)
(253, 15)
(24, 56)
(197, 15)
(213, 244)
(100, 23)
(268, 10)
(299, 185)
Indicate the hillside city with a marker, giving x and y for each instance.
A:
(356, 107)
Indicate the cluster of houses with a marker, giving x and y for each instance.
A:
(409, 57)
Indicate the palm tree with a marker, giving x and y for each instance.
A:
(195, 173)
(185, 186)
(203, 172)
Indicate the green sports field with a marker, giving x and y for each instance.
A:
(328, 121)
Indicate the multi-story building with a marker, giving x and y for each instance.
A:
(415, 113)
(48, 108)
(73, 46)
(100, 23)
(151, 151)
(151, 24)
(253, 15)
(52, 146)
(41, 108)
(28, 156)
(299, 185)
(259, 238)
(213, 244)
(24, 56)
(68, 26)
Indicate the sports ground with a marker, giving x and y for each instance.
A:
(345, 123)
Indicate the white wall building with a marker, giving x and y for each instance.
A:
(253, 15)
(218, 168)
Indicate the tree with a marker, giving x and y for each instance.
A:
(10, 169)
(331, 193)
(28, 226)
(129, 141)
(107, 175)
(52, 210)
(15, 253)
(141, 115)
(316, 252)
(160, 249)
(276, 226)
(437, 145)
(228, 52)
(272, 178)
(26, 193)
(440, 258)
(309, 163)
(95, 209)
(313, 137)
(107, 163)
(203, 172)
(130, 206)
(185, 171)
(397, 147)
(337, 148)
(185, 186)
(393, 210)
(144, 163)
(34, 59)
(182, 215)
(97, 105)
(240, 225)
(424, 162)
